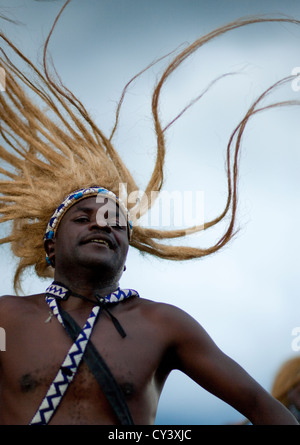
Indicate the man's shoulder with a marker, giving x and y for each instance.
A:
(170, 322)
(11, 305)
(163, 312)
(8, 300)
(155, 306)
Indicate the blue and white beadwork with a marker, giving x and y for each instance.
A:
(69, 367)
(59, 291)
(72, 199)
(66, 372)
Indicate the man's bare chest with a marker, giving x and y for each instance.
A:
(35, 355)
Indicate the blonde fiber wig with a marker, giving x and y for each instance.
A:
(286, 378)
(51, 147)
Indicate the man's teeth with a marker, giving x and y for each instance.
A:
(100, 241)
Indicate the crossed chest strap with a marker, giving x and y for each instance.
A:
(83, 348)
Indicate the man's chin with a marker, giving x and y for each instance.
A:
(103, 266)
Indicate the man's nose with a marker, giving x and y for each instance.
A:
(101, 223)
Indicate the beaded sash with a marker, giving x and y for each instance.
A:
(68, 369)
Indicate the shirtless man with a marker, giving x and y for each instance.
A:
(88, 252)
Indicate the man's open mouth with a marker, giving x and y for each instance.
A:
(100, 241)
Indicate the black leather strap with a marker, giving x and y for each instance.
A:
(101, 372)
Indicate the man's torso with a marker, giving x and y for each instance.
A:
(37, 346)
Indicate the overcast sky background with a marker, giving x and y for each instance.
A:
(246, 296)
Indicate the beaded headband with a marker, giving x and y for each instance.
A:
(76, 196)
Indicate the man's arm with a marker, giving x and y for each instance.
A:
(199, 357)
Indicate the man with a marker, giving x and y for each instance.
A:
(88, 252)
(50, 372)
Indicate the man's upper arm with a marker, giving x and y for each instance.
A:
(200, 358)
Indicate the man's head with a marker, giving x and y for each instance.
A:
(63, 149)
(90, 231)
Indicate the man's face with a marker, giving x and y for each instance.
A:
(92, 235)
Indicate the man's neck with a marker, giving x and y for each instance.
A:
(88, 288)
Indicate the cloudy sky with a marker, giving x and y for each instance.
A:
(246, 296)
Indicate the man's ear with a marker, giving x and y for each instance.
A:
(49, 245)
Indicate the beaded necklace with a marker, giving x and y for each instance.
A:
(55, 292)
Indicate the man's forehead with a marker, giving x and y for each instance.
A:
(94, 201)
(97, 203)
(97, 197)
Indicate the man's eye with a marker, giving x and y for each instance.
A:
(82, 219)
